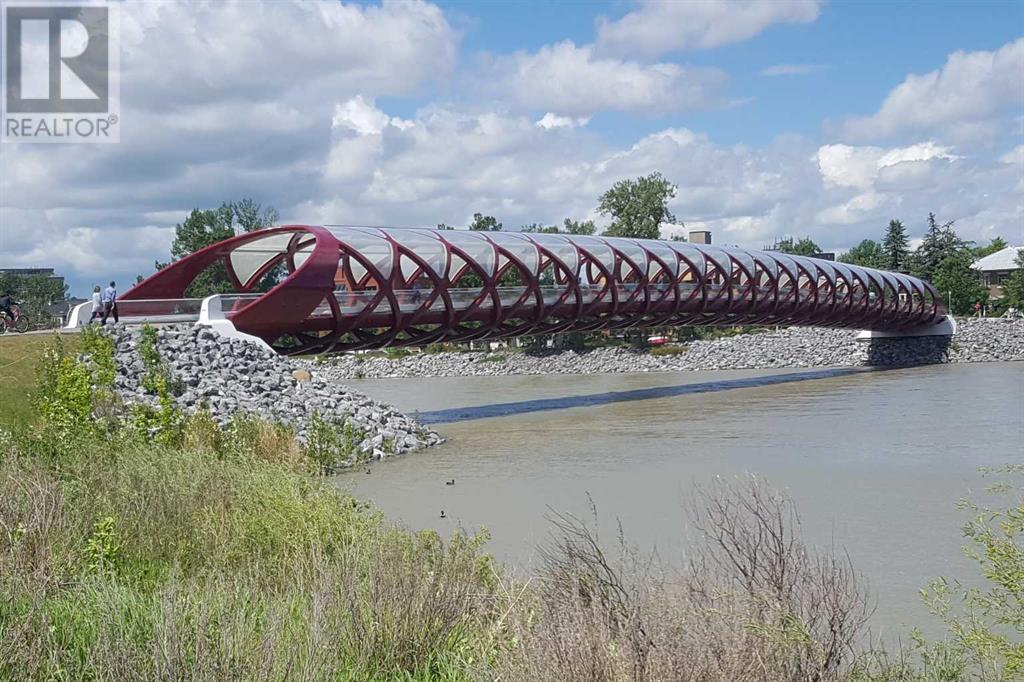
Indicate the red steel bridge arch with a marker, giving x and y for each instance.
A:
(353, 287)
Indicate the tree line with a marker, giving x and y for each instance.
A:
(637, 208)
(943, 258)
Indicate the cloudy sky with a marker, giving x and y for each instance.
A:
(784, 117)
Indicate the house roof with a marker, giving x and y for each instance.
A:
(1000, 260)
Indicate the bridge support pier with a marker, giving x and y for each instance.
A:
(946, 327)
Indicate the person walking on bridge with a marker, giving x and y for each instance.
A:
(109, 299)
(97, 304)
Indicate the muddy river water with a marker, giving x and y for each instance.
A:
(875, 460)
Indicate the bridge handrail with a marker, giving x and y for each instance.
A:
(174, 310)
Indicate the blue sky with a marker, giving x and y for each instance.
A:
(864, 48)
(412, 112)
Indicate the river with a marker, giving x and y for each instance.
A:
(875, 460)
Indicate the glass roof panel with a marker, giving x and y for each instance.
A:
(520, 247)
(426, 245)
(720, 256)
(358, 271)
(744, 258)
(874, 277)
(561, 247)
(689, 251)
(455, 266)
(371, 245)
(826, 268)
(662, 251)
(634, 252)
(597, 249)
(302, 254)
(248, 258)
(475, 246)
(787, 265)
(904, 280)
(843, 271)
(768, 264)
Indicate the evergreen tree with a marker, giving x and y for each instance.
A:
(940, 242)
(895, 248)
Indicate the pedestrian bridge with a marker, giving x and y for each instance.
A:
(341, 288)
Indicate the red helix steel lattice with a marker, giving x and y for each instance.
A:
(354, 287)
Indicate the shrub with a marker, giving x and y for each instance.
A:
(98, 348)
(200, 432)
(434, 348)
(157, 379)
(754, 604)
(491, 357)
(667, 351)
(986, 627)
(253, 439)
(63, 400)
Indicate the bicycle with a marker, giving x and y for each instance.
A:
(15, 320)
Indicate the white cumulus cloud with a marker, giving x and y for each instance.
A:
(572, 80)
(966, 99)
(660, 26)
(843, 165)
(550, 120)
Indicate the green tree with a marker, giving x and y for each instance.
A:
(568, 227)
(868, 254)
(940, 242)
(1013, 288)
(485, 223)
(249, 215)
(997, 244)
(578, 227)
(203, 228)
(638, 207)
(956, 282)
(896, 247)
(804, 247)
(538, 228)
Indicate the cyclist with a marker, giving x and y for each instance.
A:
(6, 303)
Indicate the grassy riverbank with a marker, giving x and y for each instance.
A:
(184, 552)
